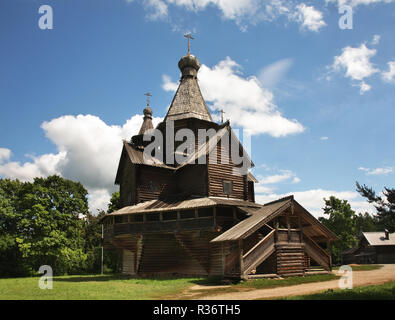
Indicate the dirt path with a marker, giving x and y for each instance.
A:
(360, 278)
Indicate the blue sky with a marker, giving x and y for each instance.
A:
(318, 99)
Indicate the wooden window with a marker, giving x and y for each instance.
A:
(152, 216)
(187, 214)
(118, 219)
(227, 186)
(205, 212)
(153, 186)
(136, 218)
(172, 215)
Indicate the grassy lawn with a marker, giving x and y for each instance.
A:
(380, 292)
(364, 267)
(119, 287)
(93, 287)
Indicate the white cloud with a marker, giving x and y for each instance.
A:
(356, 64)
(296, 180)
(168, 85)
(5, 154)
(309, 17)
(277, 178)
(377, 171)
(88, 151)
(389, 75)
(272, 74)
(324, 138)
(376, 39)
(242, 12)
(363, 87)
(157, 8)
(249, 106)
(41, 166)
(265, 180)
(355, 3)
(313, 201)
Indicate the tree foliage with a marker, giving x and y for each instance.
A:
(40, 223)
(385, 205)
(47, 222)
(342, 221)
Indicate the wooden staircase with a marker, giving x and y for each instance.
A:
(196, 247)
(259, 253)
(315, 252)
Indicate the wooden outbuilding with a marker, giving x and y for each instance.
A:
(199, 217)
(373, 247)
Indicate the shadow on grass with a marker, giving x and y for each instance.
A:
(94, 278)
(215, 281)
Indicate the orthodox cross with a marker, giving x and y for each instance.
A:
(189, 37)
(148, 95)
(222, 115)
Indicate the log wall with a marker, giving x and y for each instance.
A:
(154, 182)
(224, 171)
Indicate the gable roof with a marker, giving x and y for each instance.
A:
(263, 215)
(257, 219)
(136, 156)
(205, 148)
(378, 238)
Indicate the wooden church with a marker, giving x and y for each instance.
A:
(200, 217)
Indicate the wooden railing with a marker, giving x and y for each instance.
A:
(257, 254)
(317, 253)
(160, 226)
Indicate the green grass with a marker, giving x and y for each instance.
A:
(291, 281)
(93, 287)
(98, 287)
(379, 292)
(364, 267)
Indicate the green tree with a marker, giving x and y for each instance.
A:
(115, 202)
(44, 219)
(385, 206)
(342, 221)
(366, 223)
(10, 256)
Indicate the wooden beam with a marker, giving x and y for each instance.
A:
(241, 256)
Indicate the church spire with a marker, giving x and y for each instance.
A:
(147, 123)
(188, 101)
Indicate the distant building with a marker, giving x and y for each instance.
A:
(373, 247)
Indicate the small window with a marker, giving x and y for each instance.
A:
(118, 219)
(152, 216)
(205, 212)
(187, 214)
(153, 186)
(136, 218)
(172, 215)
(227, 185)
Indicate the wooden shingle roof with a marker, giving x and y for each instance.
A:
(188, 101)
(257, 219)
